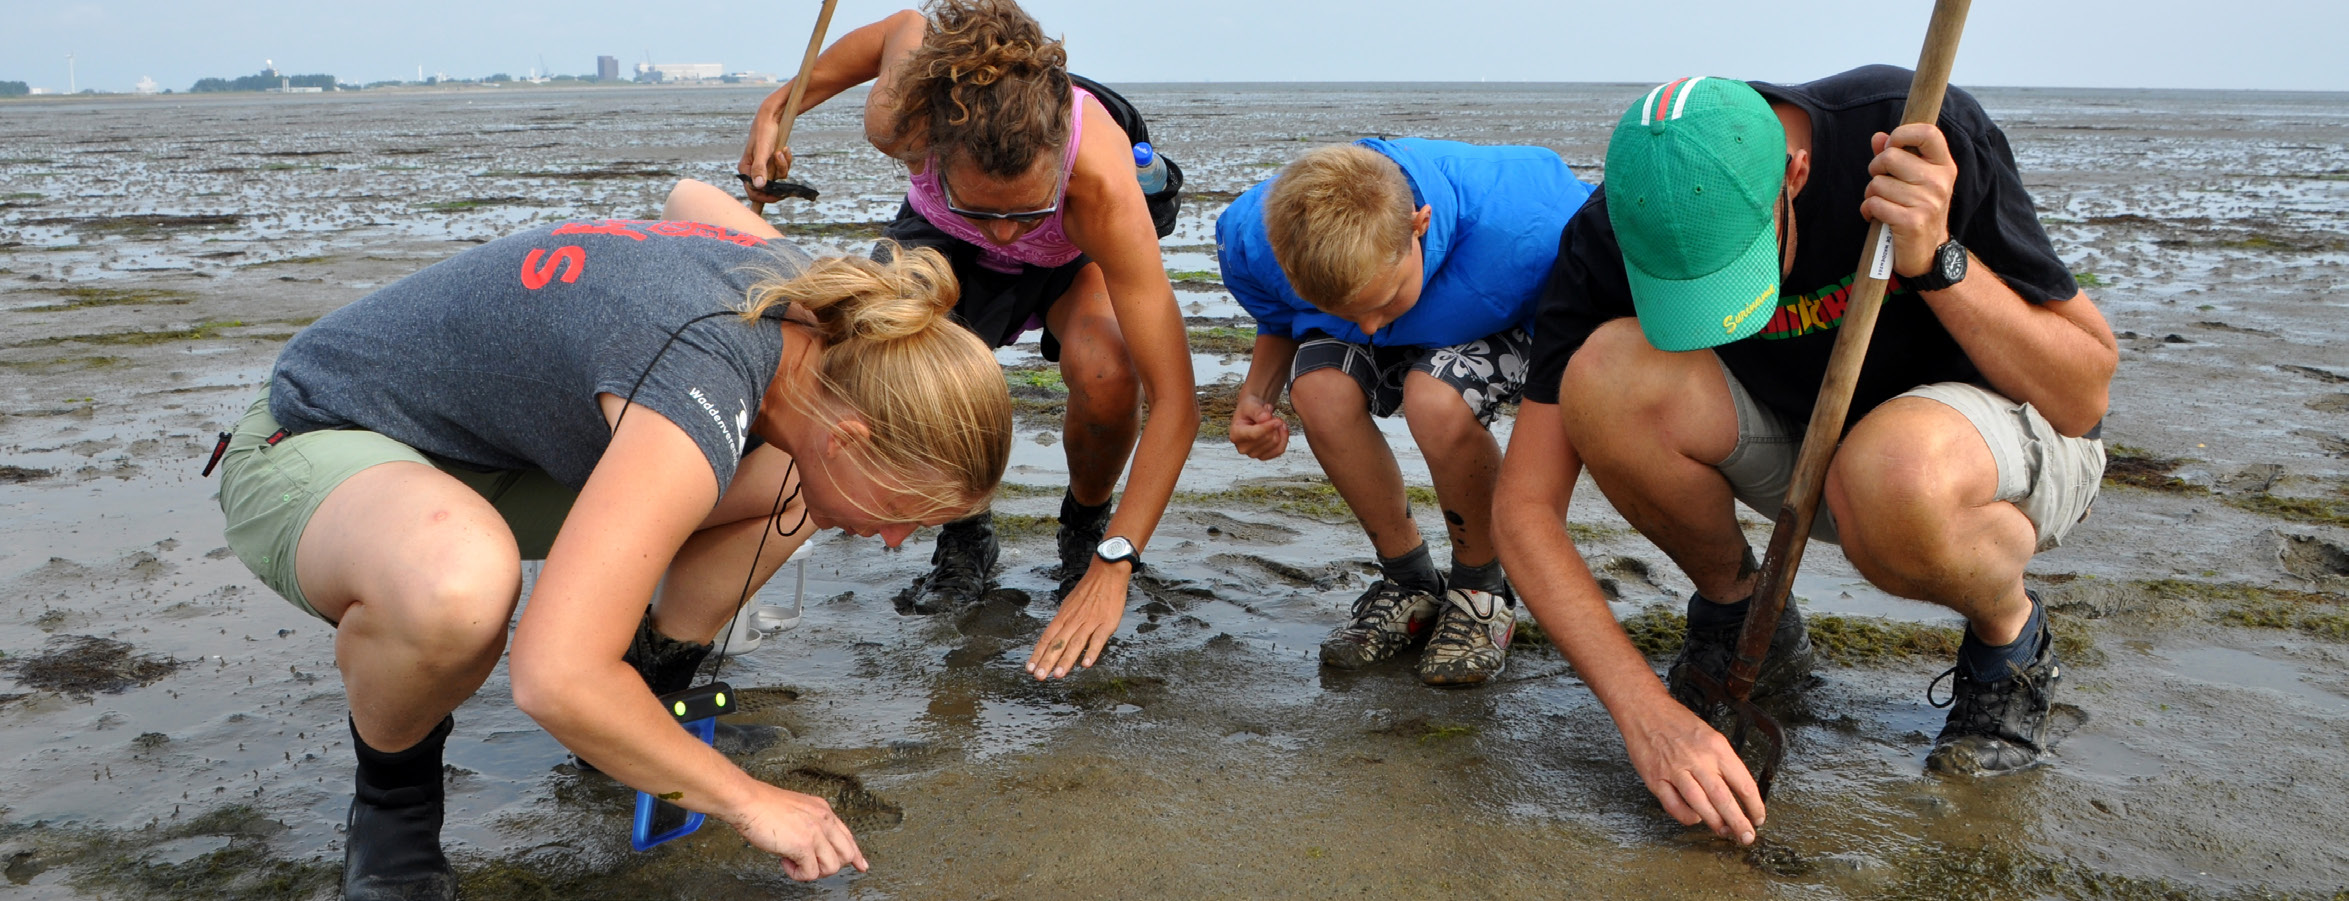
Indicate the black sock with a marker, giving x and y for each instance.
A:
(418, 766)
(1706, 614)
(1414, 570)
(1486, 578)
(1988, 663)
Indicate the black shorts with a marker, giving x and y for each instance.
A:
(997, 306)
(1489, 372)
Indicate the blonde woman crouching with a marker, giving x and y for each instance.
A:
(637, 403)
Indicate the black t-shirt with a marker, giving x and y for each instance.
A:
(1782, 365)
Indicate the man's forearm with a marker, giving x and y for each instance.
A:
(2058, 357)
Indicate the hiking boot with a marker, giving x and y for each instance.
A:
(1471, 639)
(1386, 619)
(391, 849)
(960, 568)
(1081, 532)
(1710, 650)
(1996, 726)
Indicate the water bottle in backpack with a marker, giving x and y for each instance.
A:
(1149, 169)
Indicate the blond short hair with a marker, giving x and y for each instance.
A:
(930, 393)
(1337, 216)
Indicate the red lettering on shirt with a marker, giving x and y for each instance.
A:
(536, 275)
(618, 227)
(637, 229)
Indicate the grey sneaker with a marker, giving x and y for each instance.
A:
(960, 568)
(1709, 651)
(1387, 619)
(1996, 726)
(1471, 640)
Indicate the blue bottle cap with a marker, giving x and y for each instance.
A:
(1143, 154)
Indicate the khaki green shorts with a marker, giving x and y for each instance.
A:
(2052, 478)
(269, 492)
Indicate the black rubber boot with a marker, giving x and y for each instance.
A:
(961, 568)
(668, 664)
(392, 851)
(1081, 531)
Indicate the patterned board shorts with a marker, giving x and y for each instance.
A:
(1488, 372)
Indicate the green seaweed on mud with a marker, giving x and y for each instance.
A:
(1195, 280)
(80, 296)
(198, 332)
(833, 231)
(1222, 339)
(119, 863)
(2138, 468)
(1863, 640)
(1025, 490)
(1657, 630)
(2088, 280)
(1041, 378)
(2316, 510)
(1311, 500)
(1019, 526)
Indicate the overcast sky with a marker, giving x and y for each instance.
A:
(2259, 44)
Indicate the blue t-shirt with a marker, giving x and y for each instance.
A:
(1492, 235)
(492, 359)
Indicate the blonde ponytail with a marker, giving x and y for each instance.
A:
(929, 392)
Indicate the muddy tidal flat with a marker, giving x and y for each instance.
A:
(171, 729)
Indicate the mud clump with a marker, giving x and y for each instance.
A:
(83, 665)
(2137, 468)
(82, 296)
(1219, 400)
(18, 475)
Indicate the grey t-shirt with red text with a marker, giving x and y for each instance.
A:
(492, 359)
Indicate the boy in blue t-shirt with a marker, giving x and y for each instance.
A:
(1400, 275)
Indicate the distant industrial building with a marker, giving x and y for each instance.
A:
(677, 72)
(607, 68)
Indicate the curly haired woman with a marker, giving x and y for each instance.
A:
(1026, 182)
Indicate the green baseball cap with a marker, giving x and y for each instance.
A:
(1693, 171)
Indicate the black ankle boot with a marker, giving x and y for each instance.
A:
(1081, 531)
(962, 567)
(392, 851)
(668, 665)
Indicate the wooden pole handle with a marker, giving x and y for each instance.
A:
(1791, 534)
(807, 66)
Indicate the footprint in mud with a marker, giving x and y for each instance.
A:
(1223, 527)
(1288, 573)
(2315, 559)
(81, 665)
(1002, 613)
(862, 810)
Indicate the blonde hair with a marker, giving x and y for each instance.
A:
(928, 390)
(1337, 216)
(985, 87)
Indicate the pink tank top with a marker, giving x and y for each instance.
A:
(1045, 246)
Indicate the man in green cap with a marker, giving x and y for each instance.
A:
(1680, 347)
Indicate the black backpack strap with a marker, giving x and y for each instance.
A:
(1167, 203)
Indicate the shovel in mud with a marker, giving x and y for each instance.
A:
(807, 66)
(1756, 736)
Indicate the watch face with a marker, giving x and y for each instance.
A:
(1117, 548)
(1952, 262)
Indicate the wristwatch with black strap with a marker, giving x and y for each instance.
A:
(1116, 549)
(1949, 268)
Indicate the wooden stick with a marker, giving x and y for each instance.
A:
(1792, 533)
(807, 66)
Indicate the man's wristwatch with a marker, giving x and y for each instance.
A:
(1118, 550)
(1949, 268)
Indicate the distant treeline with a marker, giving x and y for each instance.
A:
(265, 81)
(14, 89)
